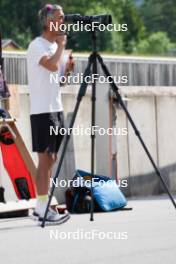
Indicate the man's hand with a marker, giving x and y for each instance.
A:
(53, 63)
(69, 66)
(61, 40)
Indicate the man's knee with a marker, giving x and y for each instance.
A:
(53, 158)
(46, 160)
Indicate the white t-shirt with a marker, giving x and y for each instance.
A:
(45, 96)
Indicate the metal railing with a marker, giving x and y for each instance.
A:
(140, 71)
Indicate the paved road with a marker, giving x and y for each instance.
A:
(145, 235)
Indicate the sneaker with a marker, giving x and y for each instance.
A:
(34, 215)
(54, 217)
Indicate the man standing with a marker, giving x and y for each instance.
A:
(44, 56)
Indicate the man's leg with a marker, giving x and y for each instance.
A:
(45, 163)
(44, 170)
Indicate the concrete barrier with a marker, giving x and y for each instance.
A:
(153, 110)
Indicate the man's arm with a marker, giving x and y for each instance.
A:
(52, 63)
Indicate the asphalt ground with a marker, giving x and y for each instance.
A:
(144, 235)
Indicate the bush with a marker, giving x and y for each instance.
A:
(156, 43)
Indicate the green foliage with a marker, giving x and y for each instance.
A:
(160, 15)
(136, 28)
(147, 20)
(156, 43)
(19, 21)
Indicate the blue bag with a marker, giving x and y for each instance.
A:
(106, 192)
(108, 196)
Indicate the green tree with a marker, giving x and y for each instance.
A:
(136, 29)
(156, 43)
(19, 21)
(160, 15)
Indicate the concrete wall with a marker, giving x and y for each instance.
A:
(153, 110)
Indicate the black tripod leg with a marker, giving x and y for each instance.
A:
(81, 93)
(94, 70)
(115, 90)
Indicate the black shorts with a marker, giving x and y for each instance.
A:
(45, 131)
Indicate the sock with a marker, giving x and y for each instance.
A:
(41, 204)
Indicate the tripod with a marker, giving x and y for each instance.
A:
(92, 63)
